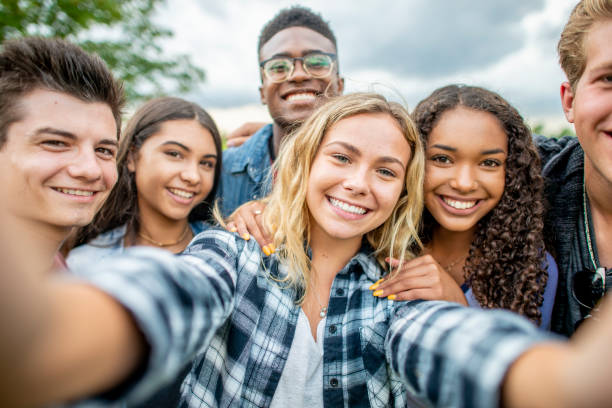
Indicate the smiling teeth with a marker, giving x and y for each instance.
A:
(346, 207)
(460, 205)
(75, 192)
(304, 96)
(181, 193)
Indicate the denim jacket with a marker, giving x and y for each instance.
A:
(243, 177)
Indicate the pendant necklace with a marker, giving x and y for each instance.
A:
(323, 311)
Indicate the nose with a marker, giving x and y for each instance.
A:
(298, 74)
(85, 166)
(464, 179)
(357, 182)
(190, 173)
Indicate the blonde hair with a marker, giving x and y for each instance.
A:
(571, 47)
(287, 214)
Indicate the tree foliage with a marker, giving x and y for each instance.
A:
(540, 129)
(120, 31)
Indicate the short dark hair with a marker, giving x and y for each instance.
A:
(296, 16)
(30, 63)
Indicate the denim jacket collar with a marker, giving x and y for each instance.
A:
(253, 154)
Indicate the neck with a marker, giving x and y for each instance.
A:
(155, 229)
(43, 240)
(451, 248)
(598, 188)
(278, 134)
(329, 256)
(599, 191)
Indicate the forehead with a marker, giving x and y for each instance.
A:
(295, 41)
(374, 134)
(597, 45)
(468, 128)
(45, 109)
(188, 132)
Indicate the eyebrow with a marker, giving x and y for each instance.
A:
(355, 151)
(172, 142)
(287, 54)
(187, 149)
(70, 135)
(454, 149)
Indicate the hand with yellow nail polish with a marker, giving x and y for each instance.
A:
(248, 221)
(419, 278)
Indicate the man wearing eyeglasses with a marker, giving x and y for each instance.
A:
(299, 69)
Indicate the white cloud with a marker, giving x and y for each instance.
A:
(518, 59)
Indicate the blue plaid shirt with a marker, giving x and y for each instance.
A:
(219, 307)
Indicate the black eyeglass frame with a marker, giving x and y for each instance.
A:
(332, 56)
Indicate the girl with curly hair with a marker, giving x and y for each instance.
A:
(483, 221)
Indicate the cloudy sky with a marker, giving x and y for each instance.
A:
(402, 48)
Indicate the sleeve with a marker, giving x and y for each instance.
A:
(549, 292)
(452, 356)
(177, 302)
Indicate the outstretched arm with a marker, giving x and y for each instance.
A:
(136, 322)
(460, 357)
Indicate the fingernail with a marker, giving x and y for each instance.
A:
(391, 297)
(378, 292)
(272, 248)
(233, 229)
(266, 250)
(246, 236)
(375, 284)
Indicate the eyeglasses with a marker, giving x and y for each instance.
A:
(315, 64)
(588, 287)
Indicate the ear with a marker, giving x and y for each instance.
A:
(131, 161)
(262, 97)
(567, 101)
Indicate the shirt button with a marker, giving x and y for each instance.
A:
(254, 196)
(333, 382)
(340, 292)
(332, 328)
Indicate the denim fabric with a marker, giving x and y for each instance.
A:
(245, 168)
(108, 244)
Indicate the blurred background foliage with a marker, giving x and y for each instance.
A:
(123, 33)
(541, 129)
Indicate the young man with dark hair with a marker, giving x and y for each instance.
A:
(299, 68)
(60, 117)
(579, 170)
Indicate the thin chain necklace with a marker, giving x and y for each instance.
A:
(587, 230)
(162, 244)
(450, 266)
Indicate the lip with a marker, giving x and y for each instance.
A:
(459, 211)
(346, 214)
(73, 193)
(179, 199)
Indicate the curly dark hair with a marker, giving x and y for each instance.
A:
(121, 207)
(296, 16)
(506, 263)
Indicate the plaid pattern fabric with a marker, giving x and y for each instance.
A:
(218, 307)
(246, 357)
(451, 356)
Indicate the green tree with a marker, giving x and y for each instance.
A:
(120, 31)
(540, 129)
